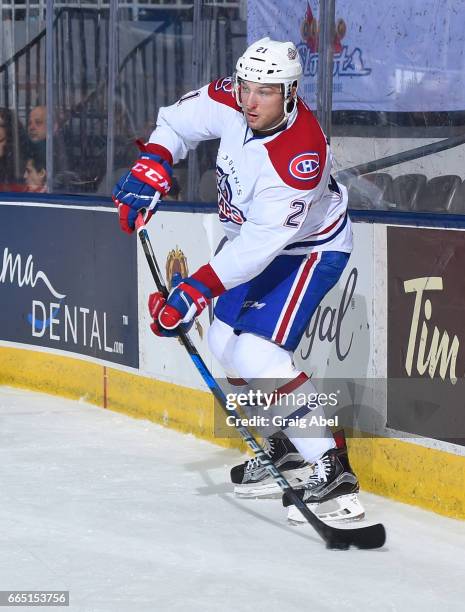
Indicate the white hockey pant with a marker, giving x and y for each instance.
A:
(253, 362)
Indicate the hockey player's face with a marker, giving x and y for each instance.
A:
(262, 105)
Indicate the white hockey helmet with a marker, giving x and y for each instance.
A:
(270, 61)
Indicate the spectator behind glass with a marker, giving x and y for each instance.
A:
(37, 124)
(37, 132)
(35, 174)
(13, 145)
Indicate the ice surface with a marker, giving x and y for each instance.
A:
(131, 517)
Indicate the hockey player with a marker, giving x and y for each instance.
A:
(289, 241)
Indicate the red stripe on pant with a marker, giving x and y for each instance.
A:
(236, 382)
(292, 385)
(295, 297)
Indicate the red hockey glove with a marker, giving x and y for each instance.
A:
(134, 191)
(185, 302)
(156, 303)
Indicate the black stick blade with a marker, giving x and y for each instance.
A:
(373, 536)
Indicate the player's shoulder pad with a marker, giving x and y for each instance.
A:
(298, 154)
(221, 91)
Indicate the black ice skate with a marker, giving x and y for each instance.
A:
(253, 480)
(331, 491)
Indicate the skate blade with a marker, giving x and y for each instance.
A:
(342, 509)
(270, 489)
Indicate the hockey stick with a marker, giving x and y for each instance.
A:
(372, 536)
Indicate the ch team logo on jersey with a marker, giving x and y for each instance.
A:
(224, 84)
(227, 212)
(305, 166)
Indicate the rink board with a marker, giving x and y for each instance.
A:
(347, 339)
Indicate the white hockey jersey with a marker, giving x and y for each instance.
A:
(275, 193)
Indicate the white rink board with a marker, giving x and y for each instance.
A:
(162, 358)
